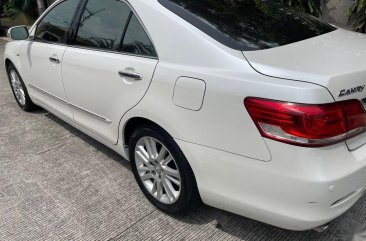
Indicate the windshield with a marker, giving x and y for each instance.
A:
(248, 24)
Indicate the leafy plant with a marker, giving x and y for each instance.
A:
(8, 9)
(358, 13)
(1, 8)
(309, 6)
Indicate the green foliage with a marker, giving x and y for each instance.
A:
(1, 8)
(358, 13)
(309, 6)
(8, 9)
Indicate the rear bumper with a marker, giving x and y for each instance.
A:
(299, 189)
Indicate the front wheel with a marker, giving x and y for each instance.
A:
(162, 171)
(19, 90)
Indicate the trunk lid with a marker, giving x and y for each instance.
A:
(336, 61)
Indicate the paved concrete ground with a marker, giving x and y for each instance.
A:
(58, 184)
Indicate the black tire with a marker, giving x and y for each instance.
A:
(189, 197)
(28, 106)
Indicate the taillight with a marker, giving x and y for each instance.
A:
(307, 124)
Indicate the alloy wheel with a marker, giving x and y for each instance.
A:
(158, 170)
(17, 87)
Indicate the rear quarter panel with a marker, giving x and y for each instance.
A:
(222, 122)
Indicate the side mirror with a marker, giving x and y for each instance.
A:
(18, 33)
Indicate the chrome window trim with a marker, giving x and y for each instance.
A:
(112, 52)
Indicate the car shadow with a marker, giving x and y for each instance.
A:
(97, 145)
(245, 228)
(343, 228)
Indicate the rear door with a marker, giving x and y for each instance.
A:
(109, 66)
(41, 57)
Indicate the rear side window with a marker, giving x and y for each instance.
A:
(136, 40)
(55, 25)
(111, 25)
(248, 24)
(102, 24)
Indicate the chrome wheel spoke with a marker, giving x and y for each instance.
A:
(143, 168)
(162, 154)
(22, 96)
(18, 95)
(169, 190)
(17, 87)
(159, 191)
(142, 156)
(143, 153)
(171, 172)
(150, 144)
(154, 187)
(173, 180)
(13, 75)
(13, 84)
(146, 176)
(166, 161)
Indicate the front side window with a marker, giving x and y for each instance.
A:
(248, 24)
(102, 24)
(55, 25)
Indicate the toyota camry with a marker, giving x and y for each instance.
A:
(244, 105)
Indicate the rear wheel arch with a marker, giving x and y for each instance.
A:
(135, 122)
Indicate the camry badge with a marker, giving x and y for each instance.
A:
(353, 90)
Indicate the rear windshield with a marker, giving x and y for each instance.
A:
(248, 24)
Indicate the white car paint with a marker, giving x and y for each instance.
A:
(110, 98)
(44, 75)
(235, 167)
(194, 88)
(340, 64)
(335, 61)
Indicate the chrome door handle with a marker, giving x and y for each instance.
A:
(135, 76)
(55, 60)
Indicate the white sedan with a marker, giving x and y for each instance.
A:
(246, 105)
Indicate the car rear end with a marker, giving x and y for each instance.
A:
(312, 176)
(320, 147)
(318, 176)
(304, 96)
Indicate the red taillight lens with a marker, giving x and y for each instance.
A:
(306, 124)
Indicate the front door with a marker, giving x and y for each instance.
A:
(108, 68)
(42, 56)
